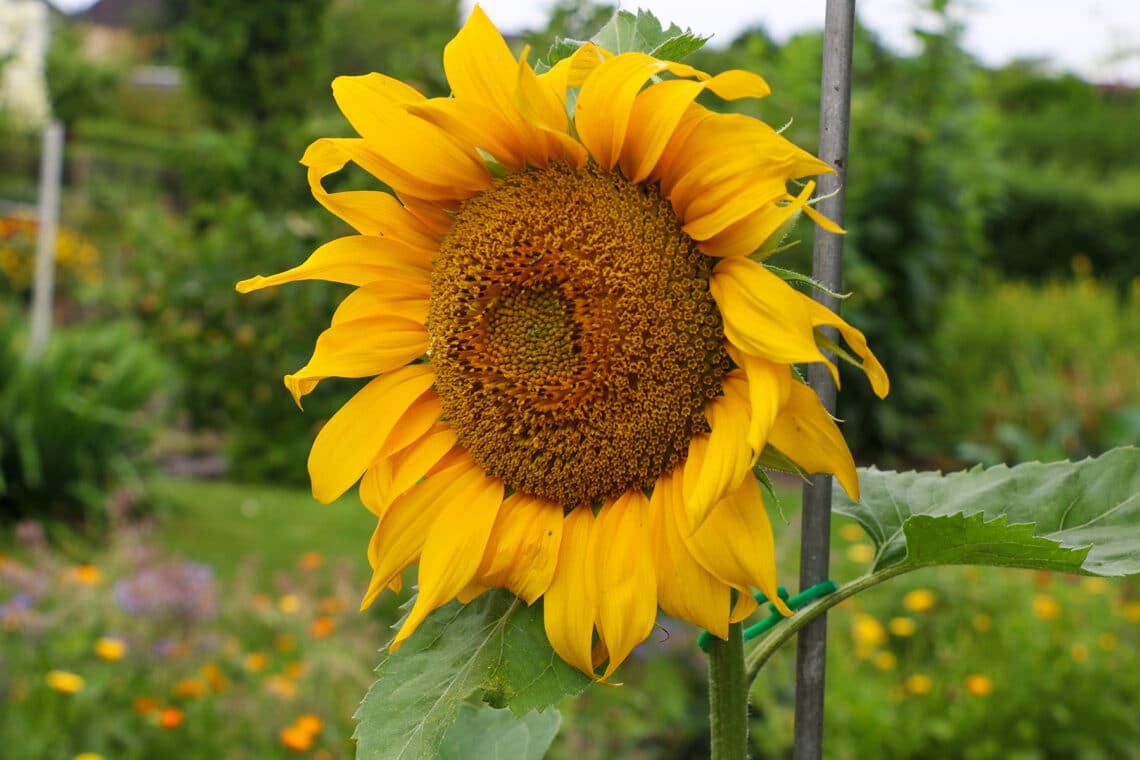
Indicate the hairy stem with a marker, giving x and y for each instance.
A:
(728, 696)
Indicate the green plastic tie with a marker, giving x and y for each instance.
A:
(794, 603)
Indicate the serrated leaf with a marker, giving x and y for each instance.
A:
(1068, 516)
(562, 47)
(495, 644)
(484, 732)
(627, 33)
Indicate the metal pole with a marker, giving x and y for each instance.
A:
(51, 177)
(815, 536)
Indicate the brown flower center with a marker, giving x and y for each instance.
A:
(574, 338)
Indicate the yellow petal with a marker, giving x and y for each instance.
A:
(420, 418)
(545, 108)
(349, 441)
(522, 552)
(768, 387)
(353, 260)
(570, 72)
(401, 532)
(478, 63)
(393, 476)
(746, 235)
(477, 123)
(406, 298)
(717, 462)
(602, 112)
(624, 572)
(359, 348)
(806, 434)
(658, 110)
(736, 545)
(570, 604)
(763, 315)
(684, 588)
(821, 315)
(427, 157)
(370, 212)
(454, 546)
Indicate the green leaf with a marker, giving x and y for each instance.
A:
(484, 732)
(1079, 517)
(495, 645)
(562, 47)
(627, 33)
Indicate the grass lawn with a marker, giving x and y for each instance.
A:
(231, 525)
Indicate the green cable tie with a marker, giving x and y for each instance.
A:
(797, 601)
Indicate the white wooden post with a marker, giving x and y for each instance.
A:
(51, 178)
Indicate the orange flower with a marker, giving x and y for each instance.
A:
(215, 677)
(170, 717)
(979, 685)
(321, 627)
(281, 687)
(84, 575)
(330, 605)
(295, 670)
(310, 722)
(189, 688)
(296, 739)
(255, 662)
(145, 705)
(311, 561)
(1046, 607)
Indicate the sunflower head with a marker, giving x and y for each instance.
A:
(575, 360)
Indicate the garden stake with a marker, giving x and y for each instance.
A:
(815, 538)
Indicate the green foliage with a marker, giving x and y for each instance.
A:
(1035, 372)
(626, 32)
(78, 88)
(400, 38)
(257, 60)
(487, 732)
(494, 646)
(1088, 511)
(232, 350)
(73, 423)
(905, 682)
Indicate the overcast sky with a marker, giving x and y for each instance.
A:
(1099, 39)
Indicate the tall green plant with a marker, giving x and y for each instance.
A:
(73, 423)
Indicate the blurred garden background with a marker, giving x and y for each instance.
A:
(168, 588)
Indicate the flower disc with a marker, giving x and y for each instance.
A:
(573, 334)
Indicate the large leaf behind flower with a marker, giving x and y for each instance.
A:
(1080, 517)
(626, 32)
(495, 645)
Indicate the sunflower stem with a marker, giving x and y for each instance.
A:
(728, 696)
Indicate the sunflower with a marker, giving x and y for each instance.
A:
(576, 363)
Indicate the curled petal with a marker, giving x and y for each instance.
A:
(807, 435)
(735, 543)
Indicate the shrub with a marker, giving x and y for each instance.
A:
(73, 422)
(1027, 372)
